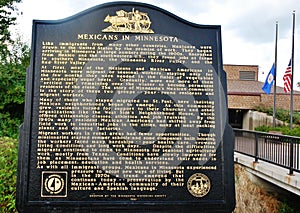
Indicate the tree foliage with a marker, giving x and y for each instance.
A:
(12, 87)
(8, 12)
(14, 59)
(12, 78)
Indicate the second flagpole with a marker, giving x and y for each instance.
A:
(275, 74)
(292, 78)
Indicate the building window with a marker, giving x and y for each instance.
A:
(247, 76)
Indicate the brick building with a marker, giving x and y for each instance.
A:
(245, 93)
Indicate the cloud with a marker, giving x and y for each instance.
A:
(254, 21)
(248, 27)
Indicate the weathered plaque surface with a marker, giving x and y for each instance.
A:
(126, 110)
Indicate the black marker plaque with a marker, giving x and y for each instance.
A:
(126, 110)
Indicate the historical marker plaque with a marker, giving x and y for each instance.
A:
(125, 110)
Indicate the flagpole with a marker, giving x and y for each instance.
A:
(292, 78)
(275, 74)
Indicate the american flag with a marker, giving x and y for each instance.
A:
(287, 78)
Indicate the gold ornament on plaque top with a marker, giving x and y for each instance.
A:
(133, 22)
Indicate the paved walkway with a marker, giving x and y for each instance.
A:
(270, 172)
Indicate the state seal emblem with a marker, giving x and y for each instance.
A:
(198, 185)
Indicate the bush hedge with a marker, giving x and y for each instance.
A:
(281, 114)
(9, 125)
(8, 174)
(285, 130)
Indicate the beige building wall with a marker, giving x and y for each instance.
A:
(282, 101)
(232, 71)
(263, 100)
(242, 99)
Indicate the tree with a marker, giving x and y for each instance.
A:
(14, 59)
(7, 19)
(12, 89)
(12, 78)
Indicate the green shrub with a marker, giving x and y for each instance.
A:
(264, 110)
(263, 128)
(285, 130)
(9, 126)
(285, 208)
(12, 88)
(8, 174)
(281, 114)
(296, 118)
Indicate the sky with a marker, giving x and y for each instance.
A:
(247, 27)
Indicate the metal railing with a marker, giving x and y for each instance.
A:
(277, 149)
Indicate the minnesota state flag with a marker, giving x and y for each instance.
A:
(269, 80)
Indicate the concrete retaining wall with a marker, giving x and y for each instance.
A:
(253, 119)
